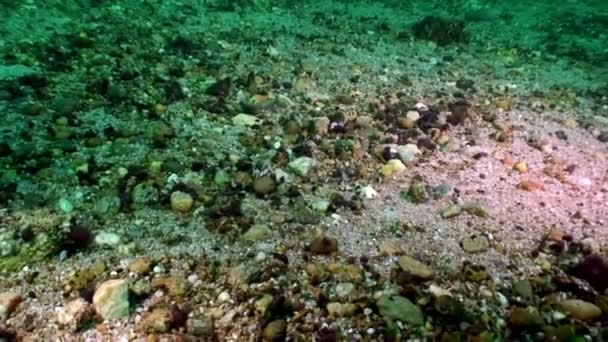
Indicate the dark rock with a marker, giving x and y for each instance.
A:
(324, 245)
(442, 31)
(594, 269)
(460, 112)
(603, 137)
(465, 84)
(5, 149)
(220, 88)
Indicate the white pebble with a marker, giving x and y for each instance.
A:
(223, 297)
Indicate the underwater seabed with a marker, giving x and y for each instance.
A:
(303, 171)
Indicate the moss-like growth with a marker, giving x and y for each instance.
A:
(442, 31)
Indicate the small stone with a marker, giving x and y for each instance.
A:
(345, 290)
(337, 309)
(107, 239)
(201, 327)
(389, 248)
(321, 126)
(264, 185)
(450, 211)
(175, 286)
(181, 201)
(258, 232)
(523, 288)
(417, 192)
(526, 319)
(140, 266)
(245, 120)
(521, 167)
(73, 314)
(475, 244)
(415, 269)
(157, 321)
(324, 245)
(65, 205)
(275, 331)
(111, 299)
(364, 121)
(392, 168)
(8, 303)
(223, 297)
(397, 308)
(408, 153)
(580, 309)
(301, 166)
(261, 305)
(530, 185)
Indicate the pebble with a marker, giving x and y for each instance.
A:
(258, 232)
(223, 297)
(73, 314)
(65, 205)
(261, 305)
(415, 269)
(389, 248)
(157, 321)
(301, 166)
(345, 290)
(450, 211)
(181, 201)
(324, 245)
(521, 167)
(245, 120)
(175, 286)
(336, 309)
(264, 185)
(111, 299)
(392, 168)
(525, 318)
(580, 309)
(140, 266)
(397, 308)
(275, 331)
(408, 153)
(201, 327)
(107, 239)
(321, 126)
(475, 244)
(530, 185)
(8, 303)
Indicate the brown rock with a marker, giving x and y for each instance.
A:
(140, 266)
(530, 185)
(324, 245)
(8, 303)
(579, 309)
(157, 321)
(275, 331)
(415, 269)
(176, 287)
(73, 314)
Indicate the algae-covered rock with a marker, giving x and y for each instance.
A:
(397, 308)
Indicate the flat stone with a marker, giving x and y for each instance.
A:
(157, 321)
(73, 314)
(581, 309)
(245, 120)
(397, 308)
(301, 166)
(475, 244)
(8, 303)
(415, 268)
(111, 299)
